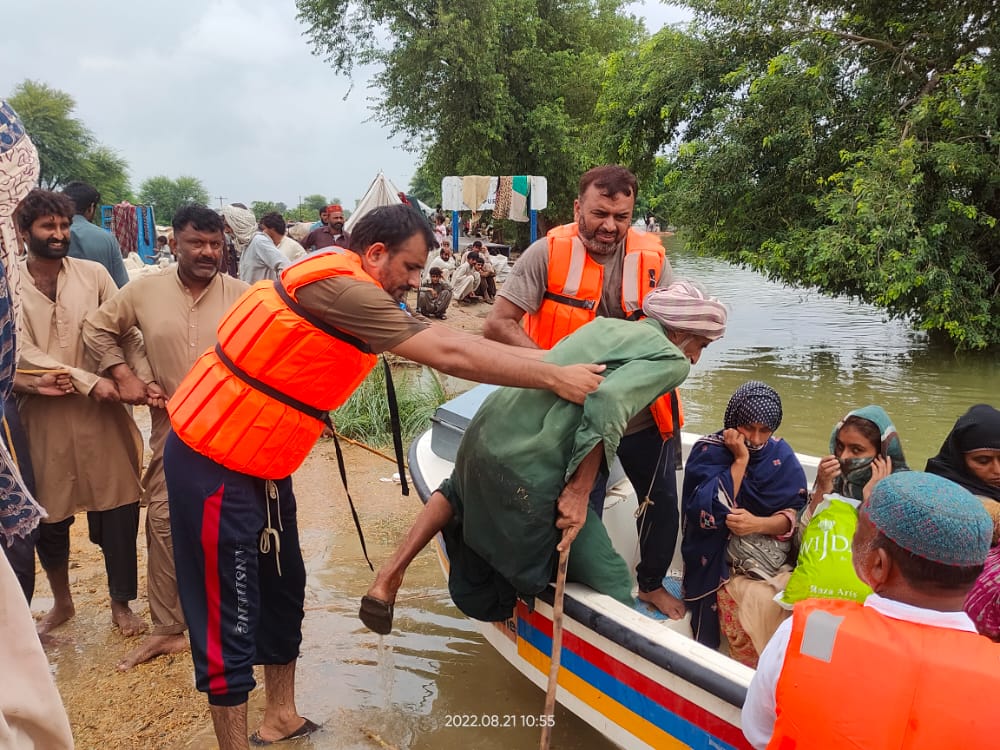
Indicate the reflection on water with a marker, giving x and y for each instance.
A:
(826, 356)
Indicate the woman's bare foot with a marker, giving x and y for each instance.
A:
(60, 613)
(153, 646)
(126, 620)
(669, 605)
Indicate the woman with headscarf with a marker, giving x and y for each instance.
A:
(738, 482)
(970, 457)
(864, 448)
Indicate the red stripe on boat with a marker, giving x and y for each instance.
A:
(643, 685)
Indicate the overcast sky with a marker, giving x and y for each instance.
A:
(224, 90)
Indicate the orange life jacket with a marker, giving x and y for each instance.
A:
(574, 290)
(256, 402)
(855, 678)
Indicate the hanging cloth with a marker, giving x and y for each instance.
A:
(125, 226)
(519, 198)
(504, 190)
(475, 190)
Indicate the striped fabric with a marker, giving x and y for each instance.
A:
(684, 306)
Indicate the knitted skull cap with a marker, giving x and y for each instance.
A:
(931, 517)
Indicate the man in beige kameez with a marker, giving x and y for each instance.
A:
(177, 312)
(85, 447)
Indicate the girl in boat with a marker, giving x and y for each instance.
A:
(741, 484)
(970, 456)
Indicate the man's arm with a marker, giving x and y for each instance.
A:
(272, 257)
(504, 324)
(470, 357)
(575, 497)
(115, 262)
(107, 333)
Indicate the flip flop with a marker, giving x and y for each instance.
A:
(307, 728)
(376, 615)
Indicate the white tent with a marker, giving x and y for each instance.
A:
(381, 193)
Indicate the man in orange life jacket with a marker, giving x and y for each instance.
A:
(599, 267)
(904, 670)
(246, 416)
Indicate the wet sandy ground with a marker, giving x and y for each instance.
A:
(399, 692)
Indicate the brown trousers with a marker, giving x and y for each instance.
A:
(161, 578)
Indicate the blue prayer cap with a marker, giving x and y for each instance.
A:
(931, 517)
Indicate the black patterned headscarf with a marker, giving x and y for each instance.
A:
(754, 402)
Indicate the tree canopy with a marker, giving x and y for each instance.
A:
(482, 86)
(851, 146)
(167, 195)
(67, 150)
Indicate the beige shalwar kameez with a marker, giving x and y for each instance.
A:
(177, 327)
(86, 454)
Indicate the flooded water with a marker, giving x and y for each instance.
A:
(825, 356)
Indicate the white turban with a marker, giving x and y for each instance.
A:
(684, 306)
(243, 223)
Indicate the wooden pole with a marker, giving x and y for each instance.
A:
(557, 628)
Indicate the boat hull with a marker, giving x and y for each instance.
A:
(632, 678)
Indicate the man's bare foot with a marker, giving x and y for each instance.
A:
(126, 620)
(153, 646)
(60, 613)
(669, 605)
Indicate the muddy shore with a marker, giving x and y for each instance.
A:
(155, 705)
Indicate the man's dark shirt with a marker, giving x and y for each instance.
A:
(323, 237)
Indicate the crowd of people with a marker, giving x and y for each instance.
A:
(590, 336)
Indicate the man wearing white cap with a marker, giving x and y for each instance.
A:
(545, 463)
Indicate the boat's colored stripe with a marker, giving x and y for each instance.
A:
(624, 685)
(605, 705)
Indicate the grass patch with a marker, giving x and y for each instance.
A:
(365, 415)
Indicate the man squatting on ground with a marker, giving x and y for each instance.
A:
(247, 415)
(177, 312)
(599, 267)
(545, 465)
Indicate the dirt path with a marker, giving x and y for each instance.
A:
(155, 705)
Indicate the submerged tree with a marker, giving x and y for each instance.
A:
(849, 146)
(482, 86)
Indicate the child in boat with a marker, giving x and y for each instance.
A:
(970, 456)
(738, 482)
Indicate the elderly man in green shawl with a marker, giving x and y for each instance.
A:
(528, 461)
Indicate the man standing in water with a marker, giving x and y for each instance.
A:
(177, 312)
(245, 418)
(599, 267)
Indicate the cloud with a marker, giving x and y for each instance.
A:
(225, 90)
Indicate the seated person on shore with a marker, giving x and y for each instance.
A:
(526, 466)
(465, 280)
(738, 482)
(487, 288)
(443, 260)
(904, 669)
(434, 296)
(970, 457)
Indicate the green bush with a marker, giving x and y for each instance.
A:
(365, 415)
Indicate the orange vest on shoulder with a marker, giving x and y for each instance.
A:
(855, 678)
(257, 402)
(574, 289)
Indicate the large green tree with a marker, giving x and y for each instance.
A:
(482, 86)
(853, 146)
(166, 195)
(67, 150)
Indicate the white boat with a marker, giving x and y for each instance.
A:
(641, 682)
